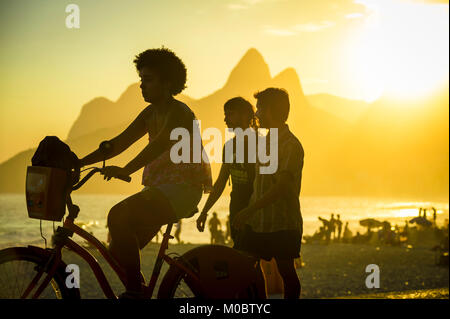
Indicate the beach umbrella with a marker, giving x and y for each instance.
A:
(420, 221)
(370, 222)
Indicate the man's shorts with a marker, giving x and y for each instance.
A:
(284, 244)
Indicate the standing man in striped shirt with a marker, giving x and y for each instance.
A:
(272, 224)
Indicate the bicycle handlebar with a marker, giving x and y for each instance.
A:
(124, 178)
(92, 172)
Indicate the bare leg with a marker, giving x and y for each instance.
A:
(291, 283)
(149, 210)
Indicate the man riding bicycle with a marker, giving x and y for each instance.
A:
(172, 190)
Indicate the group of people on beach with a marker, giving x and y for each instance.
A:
(265, 217)
(384, 233)
(331, 229)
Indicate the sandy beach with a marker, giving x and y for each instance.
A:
(329, 271)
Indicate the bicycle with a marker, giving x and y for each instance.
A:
(208, 271)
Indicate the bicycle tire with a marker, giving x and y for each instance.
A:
(23, 263)
(174, 285)
(226, 274)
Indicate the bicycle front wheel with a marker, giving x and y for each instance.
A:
(18, 267)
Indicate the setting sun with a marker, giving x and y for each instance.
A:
(403, 49)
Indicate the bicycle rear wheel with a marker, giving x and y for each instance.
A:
(175, 286)
(18, 267)
(223, 273)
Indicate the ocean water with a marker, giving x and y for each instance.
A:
(16, 228)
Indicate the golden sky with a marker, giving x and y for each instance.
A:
(358, 49)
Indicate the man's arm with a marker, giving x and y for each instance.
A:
(281, 187)
(278, 190)
(289, 168)
(121, 142)
(290, 165)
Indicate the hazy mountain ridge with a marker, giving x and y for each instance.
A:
(406, 143)
(346, 109)
(97, 112)
(351, 147)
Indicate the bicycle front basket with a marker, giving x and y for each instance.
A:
(46, 191)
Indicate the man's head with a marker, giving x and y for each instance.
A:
(162, 74)
(272, 107)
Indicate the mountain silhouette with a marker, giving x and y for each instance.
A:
(251, 72)
(97, 113)
(351, 147)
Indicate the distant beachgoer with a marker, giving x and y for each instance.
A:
(347, 236)
(178, 231)
(434, 216)
(220, 238)
(333, 226)
(386, 235)
(214, 228)
(339, 227)
(326, 229)
(396, 234)
(358, 238)
(425, 213)
(406, 229)
(420, 211)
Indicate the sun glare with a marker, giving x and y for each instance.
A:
(403, 50)
(405, 212)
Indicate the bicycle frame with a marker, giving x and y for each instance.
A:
(62, 240)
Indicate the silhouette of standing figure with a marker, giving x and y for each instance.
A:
(178, 232)
(434, 216)
(214, 228)
(339, 226)
(347, 236)
(326, 228)
(239, 114)
(333, 226)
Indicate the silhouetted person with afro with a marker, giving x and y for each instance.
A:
(172, 190)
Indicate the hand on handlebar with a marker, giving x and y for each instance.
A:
(116, 172)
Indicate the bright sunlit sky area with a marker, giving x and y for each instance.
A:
(358, 49)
